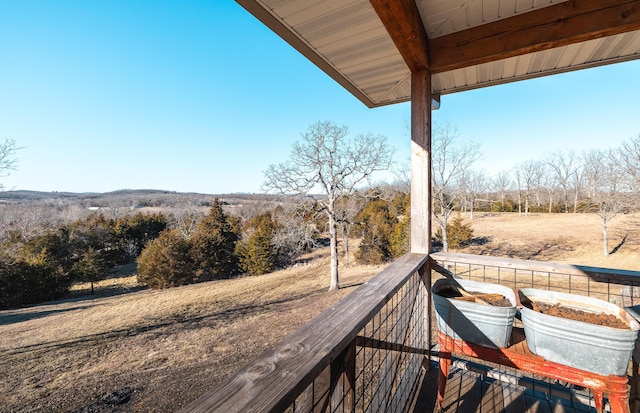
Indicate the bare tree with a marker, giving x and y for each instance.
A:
(186, 215)
(541, 184)
(475, 184)
(578, 184)
(8, 162)
(628, 157)
(451, 159)
(19, 221)
(326, 161)
(346, 210)
(402, 176)
(563, 168)
(528, 175)
(551, 186)
(502, 184)
(606, 188)
(296, 232)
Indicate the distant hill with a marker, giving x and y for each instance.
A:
(26, 195)
(131, 198)
(144, 198)
(34, 195)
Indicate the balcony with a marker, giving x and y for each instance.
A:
(376, 350)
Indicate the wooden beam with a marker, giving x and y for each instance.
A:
(550, 27)
(404, 24)
(421, 162)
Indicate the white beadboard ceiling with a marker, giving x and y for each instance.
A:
(347, 40)
(442, 17)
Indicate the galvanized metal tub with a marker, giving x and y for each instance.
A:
(477, 323)
(594, 348)
(634, 311)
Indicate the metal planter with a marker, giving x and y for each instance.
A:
(594, 348)
(481, 324)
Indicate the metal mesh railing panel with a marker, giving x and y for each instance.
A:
(386, 361)
(618, 288)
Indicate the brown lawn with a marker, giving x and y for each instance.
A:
(131, 350)
(154, 351)
(568, 238)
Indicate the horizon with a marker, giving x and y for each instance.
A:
(3, 193)
(202, 98)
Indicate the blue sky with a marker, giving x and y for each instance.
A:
(198, 96)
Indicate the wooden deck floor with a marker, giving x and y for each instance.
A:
(474, 388)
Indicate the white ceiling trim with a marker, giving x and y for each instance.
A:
(347, 40)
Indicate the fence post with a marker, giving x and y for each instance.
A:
(425, 275)
(343, 378)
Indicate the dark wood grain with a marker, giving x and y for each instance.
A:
(546, 28)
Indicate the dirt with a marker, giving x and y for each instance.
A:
(601, 319)
(497, 300)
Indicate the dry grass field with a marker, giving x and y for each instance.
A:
(568, 238)
(154, 350)
(133, 350)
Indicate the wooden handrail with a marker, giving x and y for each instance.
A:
(271, 382)
(322, 348)
(274, 380)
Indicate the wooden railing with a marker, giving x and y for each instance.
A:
(367, 353)
(370, 351)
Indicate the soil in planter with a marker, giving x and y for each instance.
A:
(601, 319)
(495, 299)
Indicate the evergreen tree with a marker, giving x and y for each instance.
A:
(258, 254)
(133, 232)
(400, 239)
(91, 267)
(166, 262)
(98, 232)
(52, 249)
(459, 233)
(376, 224)
(214, 244)
(24, 283)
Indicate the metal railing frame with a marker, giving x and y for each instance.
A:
(370, 352)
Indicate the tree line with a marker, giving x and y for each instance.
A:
(324, 202)
(604, 182)
(42, 266)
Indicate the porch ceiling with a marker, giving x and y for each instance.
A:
(371, 47)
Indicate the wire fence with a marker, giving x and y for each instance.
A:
(614, 286)
(371, 352)
(380, 369)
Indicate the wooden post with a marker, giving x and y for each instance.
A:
(421, 182)
(425, 275)
(421, 162)
(343, 378)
